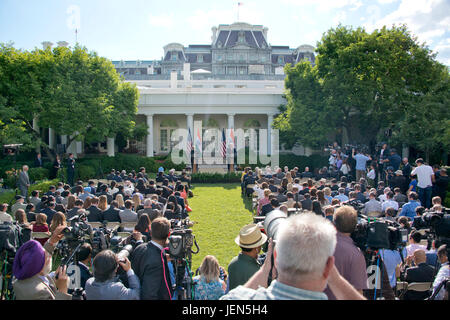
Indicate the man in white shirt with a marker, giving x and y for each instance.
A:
(4, 217)
(444, 272)
(383, 197)
(389, 202)
(425, 179)
(414, 243)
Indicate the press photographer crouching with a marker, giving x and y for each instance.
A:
(105, 284)
(304, 264)
(31, 269)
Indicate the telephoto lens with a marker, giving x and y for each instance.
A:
(125, 252)
(272, 222)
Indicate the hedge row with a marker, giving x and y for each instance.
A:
(216, 177)
(43, 186)
(315, 161)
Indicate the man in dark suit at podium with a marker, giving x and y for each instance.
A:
(70, 169)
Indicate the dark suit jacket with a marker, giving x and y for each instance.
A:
(421, 273)
(112, 214)
(72, 213)
(95, 214)
(265, 209)
(85, 274)
(49, 212)
(306, 204)
(147, 264)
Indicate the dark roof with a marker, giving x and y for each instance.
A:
(168, 56)
(250, 40)
(232, 39)
(222, 37)
(280, 47)
(207, 46)
(260, 39)
(192, 57)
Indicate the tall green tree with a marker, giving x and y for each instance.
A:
(73, 91)
(363, 82)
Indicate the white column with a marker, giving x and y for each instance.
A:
(150, 135)
(190, 122)
(51, 138)
(64, 141)
(231, 121)
(110, 147)
(269, 133)
(405, 151)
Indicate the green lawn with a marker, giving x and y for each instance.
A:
(220, 213)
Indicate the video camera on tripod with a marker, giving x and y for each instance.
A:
(436, 226)
(181, 241)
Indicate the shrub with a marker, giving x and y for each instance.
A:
(37, 174)
(84, 172)
(216, 177)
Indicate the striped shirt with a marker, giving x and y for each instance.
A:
(276, 291)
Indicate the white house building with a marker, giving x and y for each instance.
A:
(237, 81)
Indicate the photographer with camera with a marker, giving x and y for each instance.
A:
(361, 161)
(31, 269)
(303, 262)
(349, 260)
(443, 274)
(104, 285)
(150, 263)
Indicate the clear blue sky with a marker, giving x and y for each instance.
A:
(138, 29)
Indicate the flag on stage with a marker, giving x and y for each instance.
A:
(231, 137)
(189, 144)
(223, 149)
(198, 141)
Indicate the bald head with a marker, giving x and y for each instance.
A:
(420, 256)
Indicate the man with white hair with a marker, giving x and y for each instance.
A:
(24, 181)
(304, 264)
(383, 197)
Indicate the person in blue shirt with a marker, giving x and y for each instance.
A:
(394, 160)
(361, 161)
(409, 209)
(413, 184)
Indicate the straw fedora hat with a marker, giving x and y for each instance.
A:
(250, 237)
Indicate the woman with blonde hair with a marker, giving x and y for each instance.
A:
(289, 177)
(59, 219)
(41, 226)
(71, 202)
(120, 202)
(103, 202)
(136, 202)
(87, 203)
(208, 285)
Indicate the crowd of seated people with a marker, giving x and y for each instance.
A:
(285, 189)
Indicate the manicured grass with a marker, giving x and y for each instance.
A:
(220, 212)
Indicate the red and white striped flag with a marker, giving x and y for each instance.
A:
(223, 149)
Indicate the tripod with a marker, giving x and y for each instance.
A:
(6, 292)
(183, 279)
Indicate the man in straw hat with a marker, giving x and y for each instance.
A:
(242, 267)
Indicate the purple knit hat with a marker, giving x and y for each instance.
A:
(29, 260)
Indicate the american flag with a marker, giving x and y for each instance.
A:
(189, 144)
(223, 149)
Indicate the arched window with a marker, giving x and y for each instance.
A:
(251, 125)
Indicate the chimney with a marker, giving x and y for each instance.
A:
(214, 36)
(46, 44)
(62, 44)
(265, 32)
